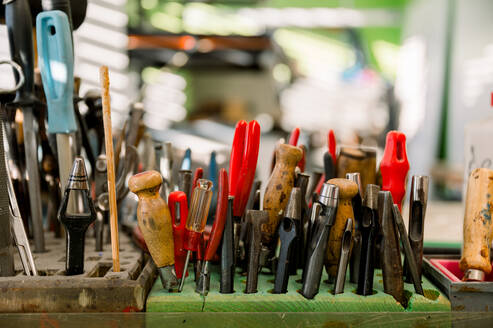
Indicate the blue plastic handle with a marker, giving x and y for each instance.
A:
(56, 63)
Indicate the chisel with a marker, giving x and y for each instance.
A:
(56, 63)
(475, 261)
(19, 28)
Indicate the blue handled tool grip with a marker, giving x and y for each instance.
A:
(56, 63)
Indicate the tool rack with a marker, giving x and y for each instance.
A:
(265, 301)
(99, 289)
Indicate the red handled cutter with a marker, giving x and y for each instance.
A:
(242, 164)
(178, 206)
(395, 166)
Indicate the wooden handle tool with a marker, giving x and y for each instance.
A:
(362, 160)
(155, 223)
(475, 261)
(347, 190)
(279, 187)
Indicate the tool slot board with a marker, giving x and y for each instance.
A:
(443, 270)
(98, 289)
(265, 301)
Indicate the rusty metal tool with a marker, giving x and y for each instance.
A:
(288, 231)
(279, 187)
(178, 207)
(475, 261)
(196, 220)
(227, 253)
(390, 256)
(256, 219)
(417, 212)
(326, 206)
(413, 268)
(394, 166)
(347, 190)
(356, 252)
(369, 230)
(56, 64)
(164, 159)
(216, 232)
(19, 27)
(155, 223)
(242, 242)
(185, 182)
(76, 224)
(346, 241)
(302, 181)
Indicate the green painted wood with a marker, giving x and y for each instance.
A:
(264, 301)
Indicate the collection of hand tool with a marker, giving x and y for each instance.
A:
(344, 220)
(46, 143)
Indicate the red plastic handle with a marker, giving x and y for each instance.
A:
(302, 162)
(395, 166)
(199, 173)
(331, 144)
(293, 138)
(179, 198)
(243, 162)
(220, 220)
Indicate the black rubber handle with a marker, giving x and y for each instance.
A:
(19, 28)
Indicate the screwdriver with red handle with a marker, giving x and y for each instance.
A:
(178, 207)
(216, 232)
(196, 220)
(328, 156)
(394, 166)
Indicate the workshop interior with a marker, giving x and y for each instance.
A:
(244, 163)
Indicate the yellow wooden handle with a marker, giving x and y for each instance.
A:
(154, 217)
(347, 190)
(279, 187)
(360, 160)
(477, 222)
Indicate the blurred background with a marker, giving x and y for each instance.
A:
(359, 67)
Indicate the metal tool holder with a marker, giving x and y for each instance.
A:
(266, 301)
(464, 296)
(99, 289)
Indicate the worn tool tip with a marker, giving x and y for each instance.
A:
(371, 196)
(356, 178)
(329, 195)
(293, 208)
(78, 176)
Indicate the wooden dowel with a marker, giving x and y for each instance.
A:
(110, 162)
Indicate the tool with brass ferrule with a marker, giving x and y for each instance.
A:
(347, 237)
(19, 28)
(475, 261)
(196, 220)
(76, 224)
(413, 268)
(155, 223)
(288, 232)
(56, 63)
(369, 231)
(216, 232)
(417, 211)
(312, 274)
(390, 256)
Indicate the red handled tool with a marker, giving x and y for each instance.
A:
(294, 136)
(242, 164)
(178, 207)
(199, 173)
(394, 166)
(216, 232)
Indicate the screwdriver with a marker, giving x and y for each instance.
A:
(475, 261)
(154, 221)
(196, 220)
(216, 232)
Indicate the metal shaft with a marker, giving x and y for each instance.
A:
(182, 281)
(66, 155)
(33, 182)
